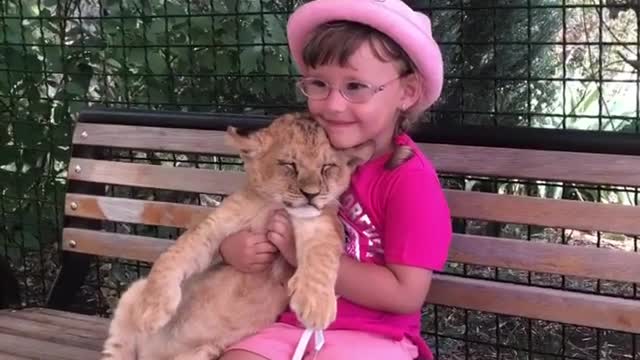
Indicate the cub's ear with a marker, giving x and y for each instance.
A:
(360, 154)
(249, 143)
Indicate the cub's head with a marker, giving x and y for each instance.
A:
(293, 163)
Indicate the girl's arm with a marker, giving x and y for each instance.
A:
(418, 232)
(392, 288)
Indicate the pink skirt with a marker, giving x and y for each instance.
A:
(279, 341)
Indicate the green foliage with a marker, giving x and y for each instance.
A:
(490, 59)
(58, 57)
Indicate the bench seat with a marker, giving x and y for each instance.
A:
(41, 333)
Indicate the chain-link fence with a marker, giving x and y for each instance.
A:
(524, 63)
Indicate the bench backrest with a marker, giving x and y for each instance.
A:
(501, 263)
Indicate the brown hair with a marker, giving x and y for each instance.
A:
(335, 43)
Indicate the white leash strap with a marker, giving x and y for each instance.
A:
(304, 342)
(319, 340)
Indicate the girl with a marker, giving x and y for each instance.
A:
(369, 67)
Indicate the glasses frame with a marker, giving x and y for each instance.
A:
(374, 89)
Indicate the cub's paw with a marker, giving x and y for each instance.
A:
(158, 306)
(315, 305)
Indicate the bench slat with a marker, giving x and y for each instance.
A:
(561, 259)
(69, 317)
(536, 303)
(17, 345)
(154, 176)
(558, 213)
(130, 247)
(134, 211)
(57, 331)
(152, 138)
(6, 356)
(562, 166)
(589, 262)
(461, 159)
(82, 323)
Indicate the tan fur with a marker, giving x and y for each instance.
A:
(191, 306)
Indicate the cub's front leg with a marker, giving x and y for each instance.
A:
(192, 253)
(312, 287)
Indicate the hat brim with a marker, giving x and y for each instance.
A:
(416, 41)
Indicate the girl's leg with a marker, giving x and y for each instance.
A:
(241, 355)
(279, 341)
(356, 345)
(276, 342)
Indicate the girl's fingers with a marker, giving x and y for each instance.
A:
(279, 216)
(275, 237)
(278, 240)
(279, 225)
(265, 247)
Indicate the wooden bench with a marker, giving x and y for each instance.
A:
(114, 189)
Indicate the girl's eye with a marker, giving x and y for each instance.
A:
(317, 83)
(354, 85)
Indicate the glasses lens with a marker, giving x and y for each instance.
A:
(314, 88)
(357, 92)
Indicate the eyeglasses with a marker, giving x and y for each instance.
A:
(353, 91)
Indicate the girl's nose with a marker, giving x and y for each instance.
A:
(335, 101)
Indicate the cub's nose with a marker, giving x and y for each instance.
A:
(309, 195)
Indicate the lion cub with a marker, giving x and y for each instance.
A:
(191, 306)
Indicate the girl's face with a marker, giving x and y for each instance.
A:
(350, 123)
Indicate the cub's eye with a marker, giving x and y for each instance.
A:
(328, 167)
(290, 166)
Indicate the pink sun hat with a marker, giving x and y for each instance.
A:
(409, 28)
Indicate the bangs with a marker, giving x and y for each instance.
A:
(335, 43)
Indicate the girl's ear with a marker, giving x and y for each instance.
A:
(411, 91)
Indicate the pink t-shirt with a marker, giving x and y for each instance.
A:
(397, 216)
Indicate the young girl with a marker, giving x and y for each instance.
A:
(369, 67)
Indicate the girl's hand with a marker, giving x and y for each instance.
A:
(248, 251)
(280, 233)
